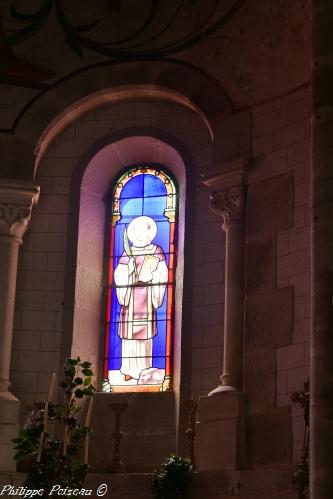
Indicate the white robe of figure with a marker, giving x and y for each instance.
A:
(136, 322)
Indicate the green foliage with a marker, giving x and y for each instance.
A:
(54, 467)
(27, 441)
(77, 375)
(173, 478)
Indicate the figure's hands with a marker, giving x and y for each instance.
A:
(131, 265)
(148, 268)
(145, 277)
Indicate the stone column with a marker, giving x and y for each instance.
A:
(16, 202)
(229, 204)
(321, 362)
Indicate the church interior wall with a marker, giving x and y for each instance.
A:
(252, 86)
(280, 283)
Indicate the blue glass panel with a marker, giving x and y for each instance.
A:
(159, 345)
(154, 206)
(153, 186)
(115, 341)
(133, 188)
(131, 207)
(119, 241)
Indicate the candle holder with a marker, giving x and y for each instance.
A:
(117, 465)
(301, 474)
(192, 406)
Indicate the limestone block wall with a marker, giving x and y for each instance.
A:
(42, 264)
(278, 273)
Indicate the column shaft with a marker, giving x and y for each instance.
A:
(233, 308)
(8, 269)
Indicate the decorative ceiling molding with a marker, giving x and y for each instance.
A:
(140, 44)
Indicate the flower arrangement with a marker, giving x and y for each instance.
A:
(54, 439)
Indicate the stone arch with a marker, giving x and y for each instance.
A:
(109, 96)
(169, 80)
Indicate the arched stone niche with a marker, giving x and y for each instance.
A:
(92, 178)
(86, 239)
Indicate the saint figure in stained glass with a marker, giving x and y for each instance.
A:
(141, 282)
(141, 278)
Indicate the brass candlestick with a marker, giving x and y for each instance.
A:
(117, 465)
(192, 406)
(301, 474)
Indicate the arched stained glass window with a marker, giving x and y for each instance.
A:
(141, 281)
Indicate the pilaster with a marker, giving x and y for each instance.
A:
(16, 202)
(321, 343)
(220, 430)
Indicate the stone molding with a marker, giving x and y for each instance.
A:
(226, 175)
(17, 200)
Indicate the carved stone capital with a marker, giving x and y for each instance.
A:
(229, 204)
(16, 202)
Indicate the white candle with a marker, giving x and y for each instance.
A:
(46, 414)
(89, 411)
(52, 385)
(40, 448)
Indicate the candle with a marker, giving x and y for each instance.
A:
(40, 448)
(89, 411)
(86, 441)
(52, 385)
(46, 413)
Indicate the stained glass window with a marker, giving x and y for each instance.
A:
(141, 280)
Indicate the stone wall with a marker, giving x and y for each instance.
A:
(278, 273)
